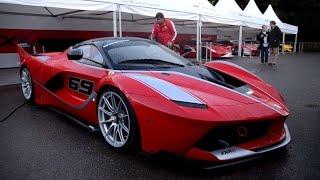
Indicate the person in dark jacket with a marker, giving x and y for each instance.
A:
(264, 38)
(275, 37)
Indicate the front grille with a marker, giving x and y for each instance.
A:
(227, 136)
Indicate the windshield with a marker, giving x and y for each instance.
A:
(142, 53)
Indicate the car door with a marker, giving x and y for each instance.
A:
(80, 79)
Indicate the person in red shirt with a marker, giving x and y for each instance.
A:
(164, 31)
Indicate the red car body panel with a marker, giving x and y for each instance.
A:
(220, 51)
(216, 50)
(165, 126)
(250, 49)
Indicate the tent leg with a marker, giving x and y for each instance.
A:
(207, 52)
(120, 21)
(295, 43)
(197, 43)
(199, 40)
(283, 41)
(210, 45)
(114, 23)
(240, 42)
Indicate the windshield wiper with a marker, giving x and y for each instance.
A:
(151, 61)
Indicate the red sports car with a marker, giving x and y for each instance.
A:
(217, 51)
(189, 52)
(250, 48)
(232, 44)
(143, 96)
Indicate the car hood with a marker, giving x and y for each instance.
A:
(188, 85)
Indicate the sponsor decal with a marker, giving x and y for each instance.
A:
(228, 151)
(232, 153)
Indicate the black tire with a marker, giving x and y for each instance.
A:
(25, 78)
(132, 143)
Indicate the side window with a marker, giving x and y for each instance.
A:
(91, 56)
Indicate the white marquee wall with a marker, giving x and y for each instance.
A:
(52, 23)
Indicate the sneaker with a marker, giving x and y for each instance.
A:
(270, 64)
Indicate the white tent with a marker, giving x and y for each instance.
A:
(190, 11)
(224, 12)
(227, 6)
(272, 16)
(70, 4)
(231, 9)
(253, 16)
(131, 11)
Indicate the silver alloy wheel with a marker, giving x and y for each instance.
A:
(26, 84)
(114, 119)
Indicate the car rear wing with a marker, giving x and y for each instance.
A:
(27, 51)
(22, 51)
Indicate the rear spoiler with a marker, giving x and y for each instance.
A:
(32, 49)
(23, 54)
(24, 50)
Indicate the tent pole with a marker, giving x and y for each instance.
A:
(295, 43)
(114, 23)
(240, 42)
(120, 21)
(283, 41)
(198, 39)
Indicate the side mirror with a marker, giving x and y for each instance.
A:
(75, 54)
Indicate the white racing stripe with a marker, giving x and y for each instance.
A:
(166, 89)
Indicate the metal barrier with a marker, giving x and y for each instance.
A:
(208, 47)
(308, 47)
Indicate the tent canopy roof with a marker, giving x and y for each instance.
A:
(188, 10)
(271, 15)
(225, 12)
(252, 10)
(228, 6)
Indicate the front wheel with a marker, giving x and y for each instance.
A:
(117, 121)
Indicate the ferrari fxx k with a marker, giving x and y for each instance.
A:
(143, 96)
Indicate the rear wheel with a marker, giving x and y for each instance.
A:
(26, 85)
(117, 121)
